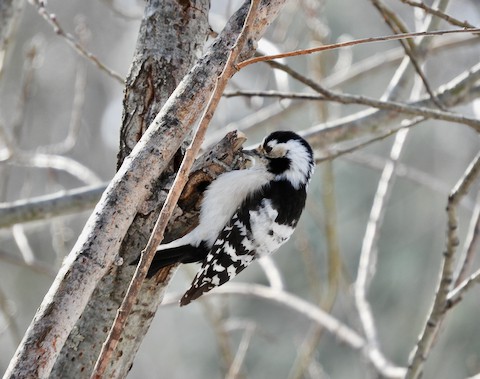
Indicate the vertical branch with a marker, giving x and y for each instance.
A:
(368, 252)
(440, 303)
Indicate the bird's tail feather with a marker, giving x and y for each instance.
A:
(166, 256)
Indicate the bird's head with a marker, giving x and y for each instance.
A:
(286, 155)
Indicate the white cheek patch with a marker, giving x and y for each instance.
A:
(301, 167)
(278, 151)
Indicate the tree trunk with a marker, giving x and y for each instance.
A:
(171, 36)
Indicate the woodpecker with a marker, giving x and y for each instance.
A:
(245, 214)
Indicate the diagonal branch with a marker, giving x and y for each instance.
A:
(353, 43)
(438, 13)
(441, 303)
(70, 39)
(172, 198)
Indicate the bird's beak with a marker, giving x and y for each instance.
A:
(251, 153)
(255, 156)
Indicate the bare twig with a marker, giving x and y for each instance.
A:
(471, 244)
(341, 331)
(353, 43)
(440, 304)
(273, 274)
(408, 172)
(23, 244)
(276, 111)
(172, 198)
(397, 26)
(408, 108)
(56, 204)
(367, 256)
(388, 58)
(70, 39)
(56, 162)
(438, 13)
(457, 293)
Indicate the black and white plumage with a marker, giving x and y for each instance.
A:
(245, 214)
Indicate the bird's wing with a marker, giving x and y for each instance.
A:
(234, 249)
(230, 254)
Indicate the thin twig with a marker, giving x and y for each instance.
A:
(331, 153)
(438, 13)
(395, 23)
(457, 293)
(156, 237)
(23, 244)
(55, 204)
(342, 332)
(440, 304)
(56, 162)
(70, 39)
(275, 112)
(471, 244)
(395, 106)
(387, 58)
(367, 261)
(273, 274)
(353, 43)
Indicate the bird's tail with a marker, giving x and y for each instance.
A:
(172, 253)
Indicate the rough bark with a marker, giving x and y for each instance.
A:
(171, 37)
(97, 247)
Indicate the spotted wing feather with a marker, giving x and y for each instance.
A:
(259, 227)
(230, 254)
